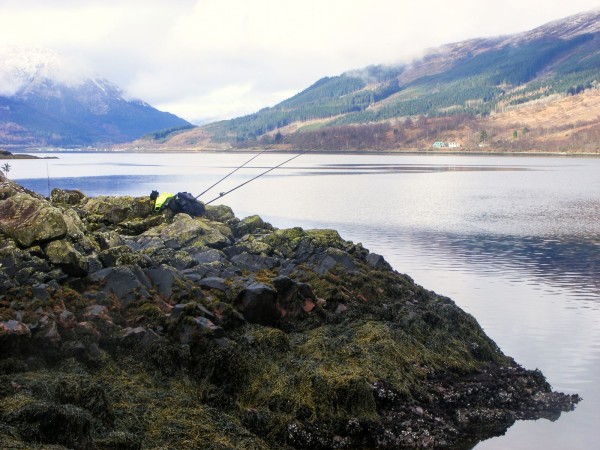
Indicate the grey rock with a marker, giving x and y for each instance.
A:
(213, 283)
(164, 278)
(199, 327)
(40, 292)
(123, 282)
(258, 304)
(207, 257)
(246, 261)
(139, 335)
(377, 261)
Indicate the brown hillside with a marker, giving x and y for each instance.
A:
(557, 123)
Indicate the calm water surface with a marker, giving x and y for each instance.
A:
(515, 241)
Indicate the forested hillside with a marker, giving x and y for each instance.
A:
(456, 93)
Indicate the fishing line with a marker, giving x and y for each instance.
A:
(223, 194)
(48, 178)
(231, 173)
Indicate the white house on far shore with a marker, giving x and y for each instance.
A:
(442, 144)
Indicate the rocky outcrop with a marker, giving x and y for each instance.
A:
(125, 328)
(29, 220)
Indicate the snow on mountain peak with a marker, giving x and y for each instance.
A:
(22, 67)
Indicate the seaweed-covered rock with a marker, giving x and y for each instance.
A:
(125, 328)
(53, 423)
(258, 303)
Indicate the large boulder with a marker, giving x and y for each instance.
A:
(258, 304)
(193, 232)
(114, 210)
(66, 196)
(30, 220)
(182, 231)
(127, 284)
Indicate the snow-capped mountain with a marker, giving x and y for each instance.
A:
(47, 100)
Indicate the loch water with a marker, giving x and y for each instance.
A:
(513, 240)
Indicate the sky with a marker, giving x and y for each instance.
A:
(213, 59)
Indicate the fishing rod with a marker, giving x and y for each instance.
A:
(222, 194)
(231, 173)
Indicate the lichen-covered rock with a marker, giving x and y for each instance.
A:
(108, 239)
(139, 225)
(9, 188)
(75, 227)
(187, 231)
(184, 230)
(220, 213)
(62, 253)
(113, 210)
(250, 225)
(66, 196)
(122, 255)
(29, 220)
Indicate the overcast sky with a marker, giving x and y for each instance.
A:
(209, 59)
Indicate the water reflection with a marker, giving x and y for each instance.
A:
(562, 262)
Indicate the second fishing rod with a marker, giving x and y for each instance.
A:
(222, 194)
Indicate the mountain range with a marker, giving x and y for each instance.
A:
(46, 102)
(537, 90)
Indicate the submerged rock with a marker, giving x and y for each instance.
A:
(125, 328)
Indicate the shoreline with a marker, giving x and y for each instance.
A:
(315, 152)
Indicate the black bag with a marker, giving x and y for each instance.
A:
(186, 203)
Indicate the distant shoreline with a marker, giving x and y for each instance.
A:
(316, 152)
(24, 156)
